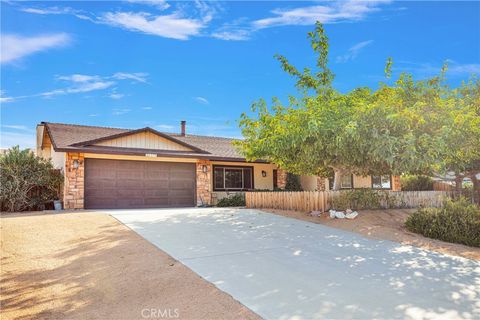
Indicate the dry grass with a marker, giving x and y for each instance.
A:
(89, 266)
(388, 225)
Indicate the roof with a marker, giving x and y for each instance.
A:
(80, 138)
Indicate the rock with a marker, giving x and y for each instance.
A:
(351, 215)
(332, 213)
(315, 213)
(339, 215)
(348, 211)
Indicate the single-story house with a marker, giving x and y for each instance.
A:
(144, 168)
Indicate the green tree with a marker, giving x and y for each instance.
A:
(400, 128)
(27, 182)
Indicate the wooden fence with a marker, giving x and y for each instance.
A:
(323, 200)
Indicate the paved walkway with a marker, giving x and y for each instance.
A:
(284, 268)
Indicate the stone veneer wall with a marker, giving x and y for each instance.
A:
(321, 183)
(204, 183)
(73, 191)
(281, 178)
(396, 185)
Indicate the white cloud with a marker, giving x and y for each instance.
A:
(354, 51)
(137, 76)
(120, 111)
(147, 108)
(159, 4)
(333, 12)
(202, 100)
(79, 78)
(169, 26)
(15, 47)
(164, 127)
(80, 88)
(232, 34)
(9, 139)
(116, 96)
(4, 99)
(49, 10)
(425, 70)
(16, 127)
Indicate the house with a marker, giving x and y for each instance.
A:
(144, 168)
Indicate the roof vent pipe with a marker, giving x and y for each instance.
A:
(183, 124)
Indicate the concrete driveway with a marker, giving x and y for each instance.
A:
(284, 268)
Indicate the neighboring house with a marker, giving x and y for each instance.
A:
(122, 168)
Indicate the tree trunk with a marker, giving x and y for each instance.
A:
(458, 184)
(476, 189)
(338, 173)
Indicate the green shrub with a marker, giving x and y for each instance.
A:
(358, 199)
(458, 221)
(237, 200)
(293, 183)
(27, 182)
(416, 183)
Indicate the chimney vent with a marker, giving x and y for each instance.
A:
(183, 124)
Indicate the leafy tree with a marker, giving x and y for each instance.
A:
(26, 181)
(400, 128)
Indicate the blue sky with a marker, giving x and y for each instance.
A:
(153, 63)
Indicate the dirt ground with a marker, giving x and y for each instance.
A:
(90, 266)
(388, 225)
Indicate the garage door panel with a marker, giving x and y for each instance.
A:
(138, 184)
(156, 184)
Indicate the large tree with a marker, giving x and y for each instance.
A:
(399, 128)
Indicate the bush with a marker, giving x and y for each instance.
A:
(458, 221)
(364, 199)
(357, 199)
(293, 183)
(416, 183)
(27, 182)
(237, 200)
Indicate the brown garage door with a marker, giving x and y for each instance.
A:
(124, 184)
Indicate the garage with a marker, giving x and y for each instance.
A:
(124, 184)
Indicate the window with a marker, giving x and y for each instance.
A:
(346, 182)
(381, 182)
(232, 178)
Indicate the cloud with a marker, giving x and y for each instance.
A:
(334, 12)
(159, 4)
(354, 51)
(425, 69)
(80, 88)
(4, 99)
(169, 26)
(202, 100)
(49, 10)
(116, 96)
(15, 47)
(9, 139)
(164, 127)
(137, 76)
(120, 111)
(79, 78)
(232, 34)
(147, 108)
(16, 127)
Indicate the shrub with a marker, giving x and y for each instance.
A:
(458, 221)
(365, 199)
(293, 182)
(416, 183)
(237, 200)
(27, 182)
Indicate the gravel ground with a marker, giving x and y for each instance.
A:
(90, 266)
(387, 225)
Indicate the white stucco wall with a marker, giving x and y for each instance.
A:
(58, 159)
